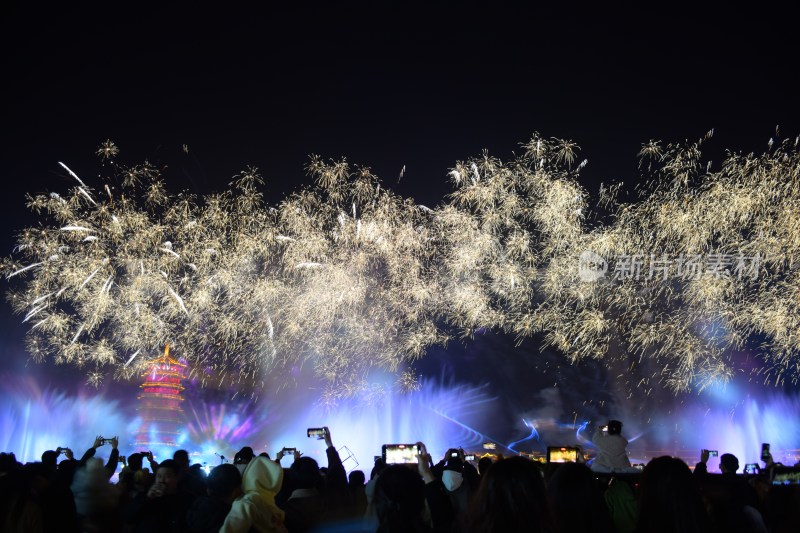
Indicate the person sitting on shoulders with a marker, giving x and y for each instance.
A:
(612, 449)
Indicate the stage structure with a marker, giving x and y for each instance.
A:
(160, 404)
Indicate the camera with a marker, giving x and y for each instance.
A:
(713, 453)
(469, 457)
(400, 453)
(318, 433)
(289, 450)
(751, 469)
(765, 451)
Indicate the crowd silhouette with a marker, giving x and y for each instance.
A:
(293, 493)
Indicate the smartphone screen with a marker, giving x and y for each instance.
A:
(557, 454)
(786, 475)
(400, 453)
(318, 433)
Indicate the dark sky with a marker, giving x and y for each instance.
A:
(385, 87)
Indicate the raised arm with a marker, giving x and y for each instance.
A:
(88, 454)
(113, 458)
(152, 462)
(337, 477)
(438, 502)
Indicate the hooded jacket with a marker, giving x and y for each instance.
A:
(612, 454)
(256, 508)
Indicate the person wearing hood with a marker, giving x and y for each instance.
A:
(612, 449)
(256, 509)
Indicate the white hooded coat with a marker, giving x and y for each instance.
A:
(612, 453)
(256, 508)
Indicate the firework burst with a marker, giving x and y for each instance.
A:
(349, 278)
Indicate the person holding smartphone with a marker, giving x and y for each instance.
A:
(460, 479)
(612, 449)
(113, 457)
(163, 507)
(316, 501)
(732, 500)
(401, 493)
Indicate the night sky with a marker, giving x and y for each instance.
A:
(385, 87)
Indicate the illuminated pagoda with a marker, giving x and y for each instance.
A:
(160, 404)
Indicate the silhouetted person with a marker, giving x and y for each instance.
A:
(163, 508)
(483, 465)
(670, 501)
(358, 494)
(242, 457)
(208, 513)
(135, 462)
(96, 499)
(20, 508)
(622, 505)
(400, 498)
(578, 504)
(181, 458)
(511, 498)
(189, 480)
(315, 501)
(734, 503)
(305, 508)
(370, 517)
(50, 459)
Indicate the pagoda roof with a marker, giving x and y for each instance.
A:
(165, 359)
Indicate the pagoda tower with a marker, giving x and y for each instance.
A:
(160, 404)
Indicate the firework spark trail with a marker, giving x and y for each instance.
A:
(348, 277)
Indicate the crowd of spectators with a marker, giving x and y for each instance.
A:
(292, 493)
